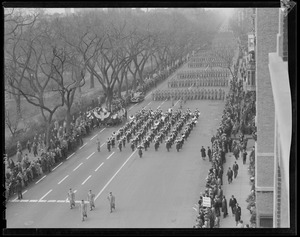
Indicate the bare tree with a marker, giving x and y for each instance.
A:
(226, 54)
(42, 61)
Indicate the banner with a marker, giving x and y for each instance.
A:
(206, 202)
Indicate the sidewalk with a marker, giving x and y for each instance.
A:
(240, 188)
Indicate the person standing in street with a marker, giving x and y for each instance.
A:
(203, 153)
(83, 209)
(209, 153)
(91, 199)
(235, 168)
(229, 175)
(244, 156)
(232, 204)
(19, 189)
(71, 198)
(224, 207)
(111, 199)
(238, 213)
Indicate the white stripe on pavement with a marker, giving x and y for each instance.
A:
(46, 194)
(75, 191)
(24, 200)
(24, 192)
(61, 201)
(162, 103)
(86, 180)
(33, 200)
(110, 155)
(177, 102)
(93, 137)
(102, 144)
(40, 179)
(77, 166)
(82, 146)
(99, 167)
(63, 179)
(56, 166)
(42, 200)
(114, 175)
(90, 155)
(195, 209)
(51, 200)
(70, 156)
(102, 130)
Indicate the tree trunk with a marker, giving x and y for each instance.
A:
(92, 82)
(69, 119)
(109, 97)
(48, 130)
(18, 107)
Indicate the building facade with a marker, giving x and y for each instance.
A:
(273, 121)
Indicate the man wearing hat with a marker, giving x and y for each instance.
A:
(209, 153)
(71, 198)
(111, 199)
(91, 199)
(83, 209)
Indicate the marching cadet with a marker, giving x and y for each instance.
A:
(216, 94)
(91, 199)
(223, 95)
(204, 94)
(220, 94)
(120, 145)
(71, 198)
(124, 141)
(156, 144)
(212, 94)
(140, 151)
(209, 93)
(132, 145)
(113, 142)
(98, 144)
(108, 144)
(83, 209)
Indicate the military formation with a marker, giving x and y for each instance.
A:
(211, 73)
(148, 126)
(205, 64)
(198, 82)
(189, 94)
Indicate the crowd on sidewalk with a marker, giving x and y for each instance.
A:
(212, 203)
(23, 171)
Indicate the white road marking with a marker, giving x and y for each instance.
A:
(24, 200)
(90, 155)
(162, 103)
(33, 200)
(61, 201)
(110, 155)
(46, 194)
(15, 200)
(86, 180)
(42, 200)
(77, 166)
(63, 179)
(70, 156)
(102, 130)
(176, 102)
(102, 144)
(114, 175)
(40, 179)
(148, 95)
(93, 137)
(75, 191)
(82, 146)
(99, 167)
(51, 200)
(24, 192)
(57, 166)
(132, 107)
(195, 209)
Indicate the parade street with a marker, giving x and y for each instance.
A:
(158, 190)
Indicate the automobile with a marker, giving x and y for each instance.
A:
(137, 97)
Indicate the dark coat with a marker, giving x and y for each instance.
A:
(232, 202)
(238, 213)
(224, 206)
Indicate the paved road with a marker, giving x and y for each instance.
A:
(158, 190)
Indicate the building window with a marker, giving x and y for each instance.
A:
(266, 221)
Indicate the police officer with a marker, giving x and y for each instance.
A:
(108, 144)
